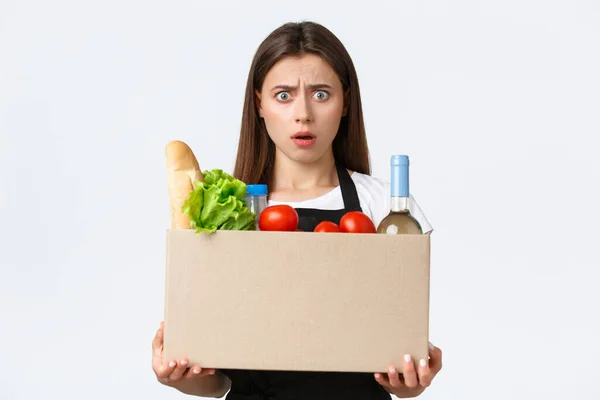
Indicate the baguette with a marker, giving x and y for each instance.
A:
(182, 171)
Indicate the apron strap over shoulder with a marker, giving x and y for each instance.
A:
(349, 193)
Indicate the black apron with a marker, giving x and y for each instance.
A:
(310, 385)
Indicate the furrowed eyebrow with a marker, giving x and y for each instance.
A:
(314, 87)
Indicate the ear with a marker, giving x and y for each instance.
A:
(258, 103)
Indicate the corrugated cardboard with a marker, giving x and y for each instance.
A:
(296, 300)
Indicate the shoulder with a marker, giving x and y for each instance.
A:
(370, 187)
(374, 196)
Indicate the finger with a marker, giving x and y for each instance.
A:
(157, 350)
(435, 359)
(424, 373)
(394, 378)
(409, 372)
(208, 371)
(157, 342)
(157, 363)
(179, 370)
(165, 370)
(382, 379)
(192, 372)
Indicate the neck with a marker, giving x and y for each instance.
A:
(292, 175)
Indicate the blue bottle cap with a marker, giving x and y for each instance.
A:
(399, 159)
(257, 190)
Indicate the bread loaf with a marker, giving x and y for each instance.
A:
(182, 171)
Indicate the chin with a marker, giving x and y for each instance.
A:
(306, 156)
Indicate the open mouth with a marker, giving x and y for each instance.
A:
(305, 135)
(303, 139)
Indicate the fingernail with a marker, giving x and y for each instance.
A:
(423, 363)
(431, 347)
(172, 364)
(196, 371)
(212, 372)
(377, 376)
(392, 370)
(407, 358)
(183, 362)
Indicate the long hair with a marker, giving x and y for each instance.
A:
(256, 150)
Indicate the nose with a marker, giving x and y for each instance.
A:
(303, 110)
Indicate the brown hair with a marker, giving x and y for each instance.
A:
(256, 150)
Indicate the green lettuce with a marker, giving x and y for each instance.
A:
(218, 203)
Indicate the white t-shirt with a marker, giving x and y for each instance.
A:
(374, 197)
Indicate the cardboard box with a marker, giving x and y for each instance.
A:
(296, 300)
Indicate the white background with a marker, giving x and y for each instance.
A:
(496, 102)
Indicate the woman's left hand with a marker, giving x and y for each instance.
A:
(415, 377)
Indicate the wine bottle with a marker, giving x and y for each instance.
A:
(399, 220)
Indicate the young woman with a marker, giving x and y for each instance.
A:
(303, 134)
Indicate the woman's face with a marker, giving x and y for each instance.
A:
(302, 102)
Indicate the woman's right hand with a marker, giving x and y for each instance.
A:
(179, 375)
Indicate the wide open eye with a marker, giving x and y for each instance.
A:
(321, 95)
(283, 96)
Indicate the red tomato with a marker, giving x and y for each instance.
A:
(327, 226)
(357, 222)
(278, 218)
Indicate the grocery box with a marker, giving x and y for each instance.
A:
(303, 301)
